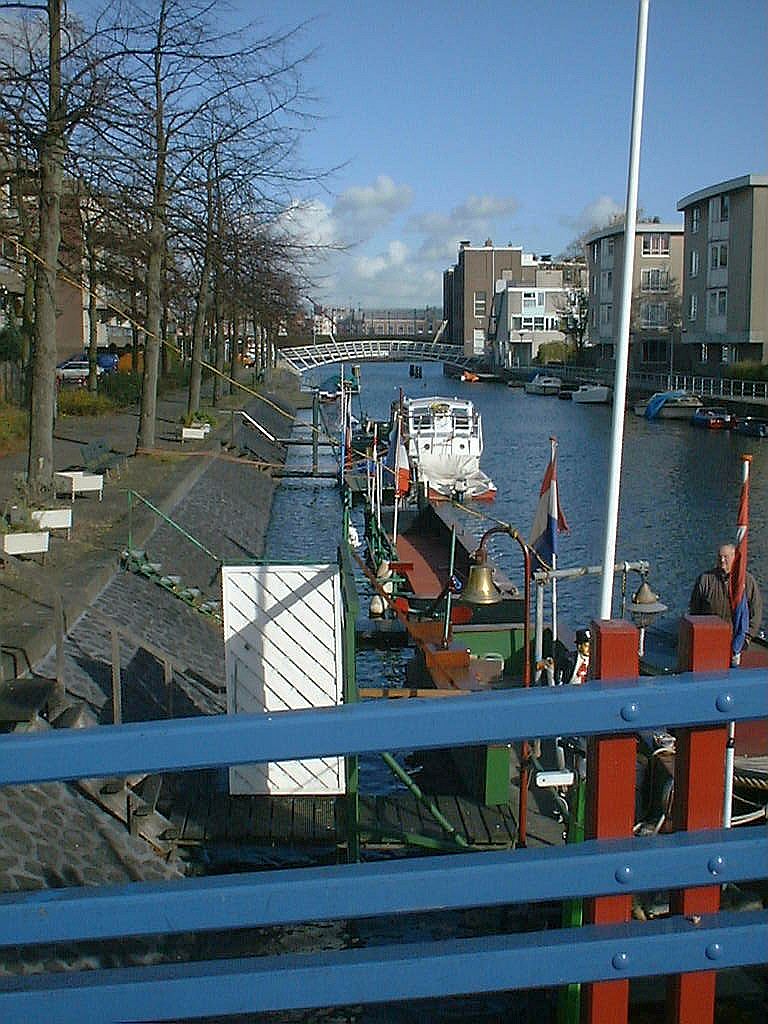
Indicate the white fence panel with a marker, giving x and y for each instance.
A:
(283, 651)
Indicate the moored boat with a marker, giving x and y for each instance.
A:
(444, 442)
(751, 426)
(542, 384)
(668, 405)
(592, 394)
(714, 417)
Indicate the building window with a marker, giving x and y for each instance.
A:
(606, 282)
(480, 303)
(719, 208)
(695, 219)
(693, 306)
(653, 314)
(655, 350)
(654, 280)
(595, 252)
(717, 302)
(718, 256)
(529, 300)
(656, 243)
(703, 353)
(725, 354)
(694, 262)
(606, 313)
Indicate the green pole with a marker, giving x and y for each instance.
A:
(130, 520)
(569, 996)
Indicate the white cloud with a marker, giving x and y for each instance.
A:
(361, 211)
(596, 214)
(377, 266)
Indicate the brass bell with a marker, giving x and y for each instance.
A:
(480, 588)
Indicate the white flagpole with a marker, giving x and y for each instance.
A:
(730, 747)
(622, 347)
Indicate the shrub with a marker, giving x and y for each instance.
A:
(201, 416)
(121, 388)
(748, 371)
(14, 425)
(81, 402)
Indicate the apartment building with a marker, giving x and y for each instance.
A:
(468, 291)
(529, 309)
(655, 321)
(725, 282)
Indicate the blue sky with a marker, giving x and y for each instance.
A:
(510, 121)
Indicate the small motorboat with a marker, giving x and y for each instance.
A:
(469, 377)
(714, 417)
(751, 426)
(444, 439)
(543, 385)
(668, 405)
(592, 394)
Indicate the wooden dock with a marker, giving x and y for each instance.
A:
(205, 817)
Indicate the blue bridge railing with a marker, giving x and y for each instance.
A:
(189, 990)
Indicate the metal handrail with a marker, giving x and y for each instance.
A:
(174, 990)
(135, 494)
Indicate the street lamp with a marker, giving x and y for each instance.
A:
(644, 607)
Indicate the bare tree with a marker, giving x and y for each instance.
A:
(48, 84)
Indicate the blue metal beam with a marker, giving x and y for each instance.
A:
(595, 708)
(388, 973)
(399, 887)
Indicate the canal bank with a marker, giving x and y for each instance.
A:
(166, 650)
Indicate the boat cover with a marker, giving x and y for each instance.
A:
(657, 402)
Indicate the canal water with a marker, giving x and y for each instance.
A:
(679, 498)
(679, 487)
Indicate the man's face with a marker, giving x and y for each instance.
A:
(725, 559)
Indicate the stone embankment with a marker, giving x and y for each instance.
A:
(56, 835)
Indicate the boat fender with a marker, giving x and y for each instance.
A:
(383, 571)
(376, 608)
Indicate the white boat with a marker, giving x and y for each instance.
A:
(668, 405)
(444, 442)
(592, 394)
(543, 385)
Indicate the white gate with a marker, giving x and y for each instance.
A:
(283, 651)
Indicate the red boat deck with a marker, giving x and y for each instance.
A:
(425, 564)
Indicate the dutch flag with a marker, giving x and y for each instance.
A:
(738, 580)
(549, 519)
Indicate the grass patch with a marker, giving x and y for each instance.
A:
(14, 424)
(80, 402)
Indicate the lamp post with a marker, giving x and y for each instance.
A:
(481, 589)
(644, 607)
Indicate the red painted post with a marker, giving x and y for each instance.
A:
(705, 646)
(610, 804)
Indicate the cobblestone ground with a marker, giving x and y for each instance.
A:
(52, 835)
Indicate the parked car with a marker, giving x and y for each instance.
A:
(106, 360)
(75, 369)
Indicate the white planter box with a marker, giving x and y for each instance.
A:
(54, 519)
(33, 543)
(195, 433)
(76, 481)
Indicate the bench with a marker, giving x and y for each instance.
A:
(198, 432)
(54, 519)
(76, 481)
(98, 457)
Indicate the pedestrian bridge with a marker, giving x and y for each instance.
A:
(369, 349)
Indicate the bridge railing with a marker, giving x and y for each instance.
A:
(367, 348)
(693, 704)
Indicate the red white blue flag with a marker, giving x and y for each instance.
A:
(549, 520)
(738, 580)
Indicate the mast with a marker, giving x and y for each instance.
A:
(622, 349)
